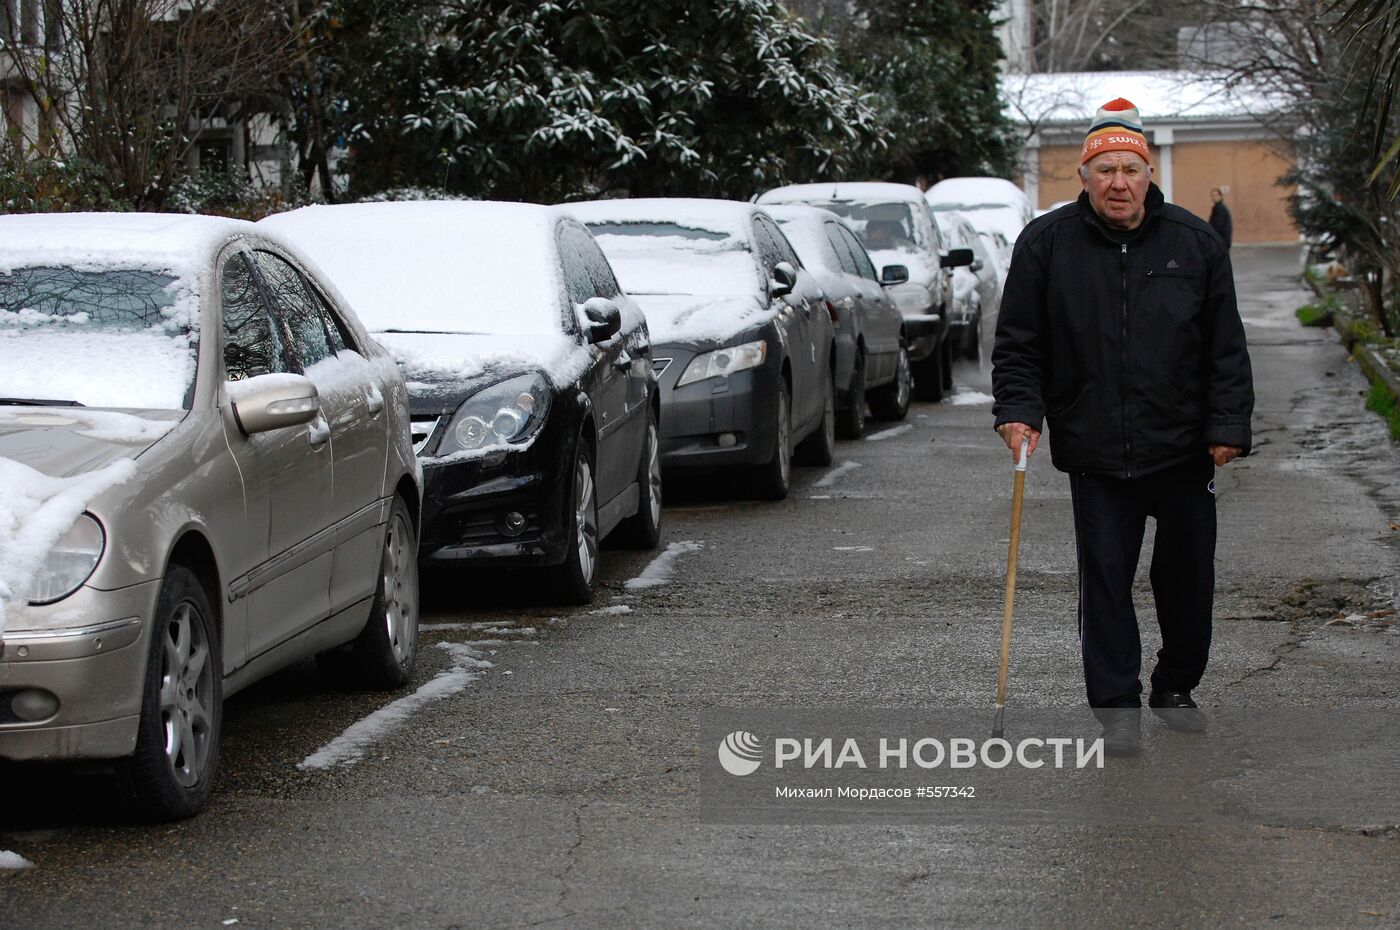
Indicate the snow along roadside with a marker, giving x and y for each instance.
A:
(836, 474)
(350, 746)
(13, 861)
(890, 433)
(661, 568)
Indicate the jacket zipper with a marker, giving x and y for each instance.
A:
(1123, 365)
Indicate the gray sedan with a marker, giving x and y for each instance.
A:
(209, 476)
(872, 354)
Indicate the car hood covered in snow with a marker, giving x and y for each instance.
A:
(441, 368)
(693, 319)
(64, 443)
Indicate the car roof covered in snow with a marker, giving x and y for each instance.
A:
(863, 191)
(975, 190)
(168, 242)
(437, 266)
(726, 216)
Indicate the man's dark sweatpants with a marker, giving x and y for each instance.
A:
(1110, 518)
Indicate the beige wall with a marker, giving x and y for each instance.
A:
(1247, 171)
(1247, 168)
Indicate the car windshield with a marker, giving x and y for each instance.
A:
(674, 258)
(109, 338)
(879, 226)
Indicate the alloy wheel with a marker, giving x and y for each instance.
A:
(186, 694)
(400, 586)
(585, 518)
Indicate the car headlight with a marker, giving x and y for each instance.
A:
(69, 562)
(910, 298)
(721, 363)
(506, 413)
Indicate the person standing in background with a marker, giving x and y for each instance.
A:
(1220, 216)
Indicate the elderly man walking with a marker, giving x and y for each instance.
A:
(1119, 327)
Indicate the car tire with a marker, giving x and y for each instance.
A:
(928, 375)
(773, 479)
(384, 652)
(891, 401)
(974, 348)
(577, 578)
(850, 423)
(172, 770)
(820, 447)
(642, 530)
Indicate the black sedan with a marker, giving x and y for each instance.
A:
(534, 403)
(744, 340)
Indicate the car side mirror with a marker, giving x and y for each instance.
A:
(275, 401)
(894, 274)
(957, 258)
(784, 280)
(602, 320)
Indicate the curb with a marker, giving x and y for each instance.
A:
(1373, 364)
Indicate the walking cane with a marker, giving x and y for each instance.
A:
(998, 728)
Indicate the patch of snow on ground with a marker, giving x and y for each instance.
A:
(14, 861)
(350, 746)
(852, 548)
(614, 609)
(659, 571)
(890, 433)
(835, 474)
(967, 398)
(35, 511)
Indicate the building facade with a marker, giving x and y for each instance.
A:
(1202, 136)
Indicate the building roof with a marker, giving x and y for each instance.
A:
(1071, 98)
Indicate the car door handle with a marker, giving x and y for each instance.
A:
(318, 432)
(374, 402)
(624, 362)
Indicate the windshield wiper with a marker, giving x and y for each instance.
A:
(36, 402)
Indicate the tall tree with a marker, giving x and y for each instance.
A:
(932, 68)
(569, 98)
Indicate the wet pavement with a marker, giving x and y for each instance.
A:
(560, 786)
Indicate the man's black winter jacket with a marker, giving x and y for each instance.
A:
(1133, 350)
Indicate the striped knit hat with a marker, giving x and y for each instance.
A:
(1116, 128)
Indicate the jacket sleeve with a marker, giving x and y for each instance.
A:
(1018, 357)
(1230, 381)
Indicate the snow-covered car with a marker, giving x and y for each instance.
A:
(976, 287)
(989, 204)
(535, 409)
(872, 360)
(743, 337)
(208, 476)
(894, 224)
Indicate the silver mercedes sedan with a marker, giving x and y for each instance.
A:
(206, 473)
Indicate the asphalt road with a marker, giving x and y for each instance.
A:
(558, 787)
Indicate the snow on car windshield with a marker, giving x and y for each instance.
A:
(673, 258)
(881, 227)
(116, 337)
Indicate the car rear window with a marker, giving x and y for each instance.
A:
(110, 338)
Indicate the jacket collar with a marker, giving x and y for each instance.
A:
(1151, 207)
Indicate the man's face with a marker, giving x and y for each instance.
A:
(1117, 185)
(1215, 197)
